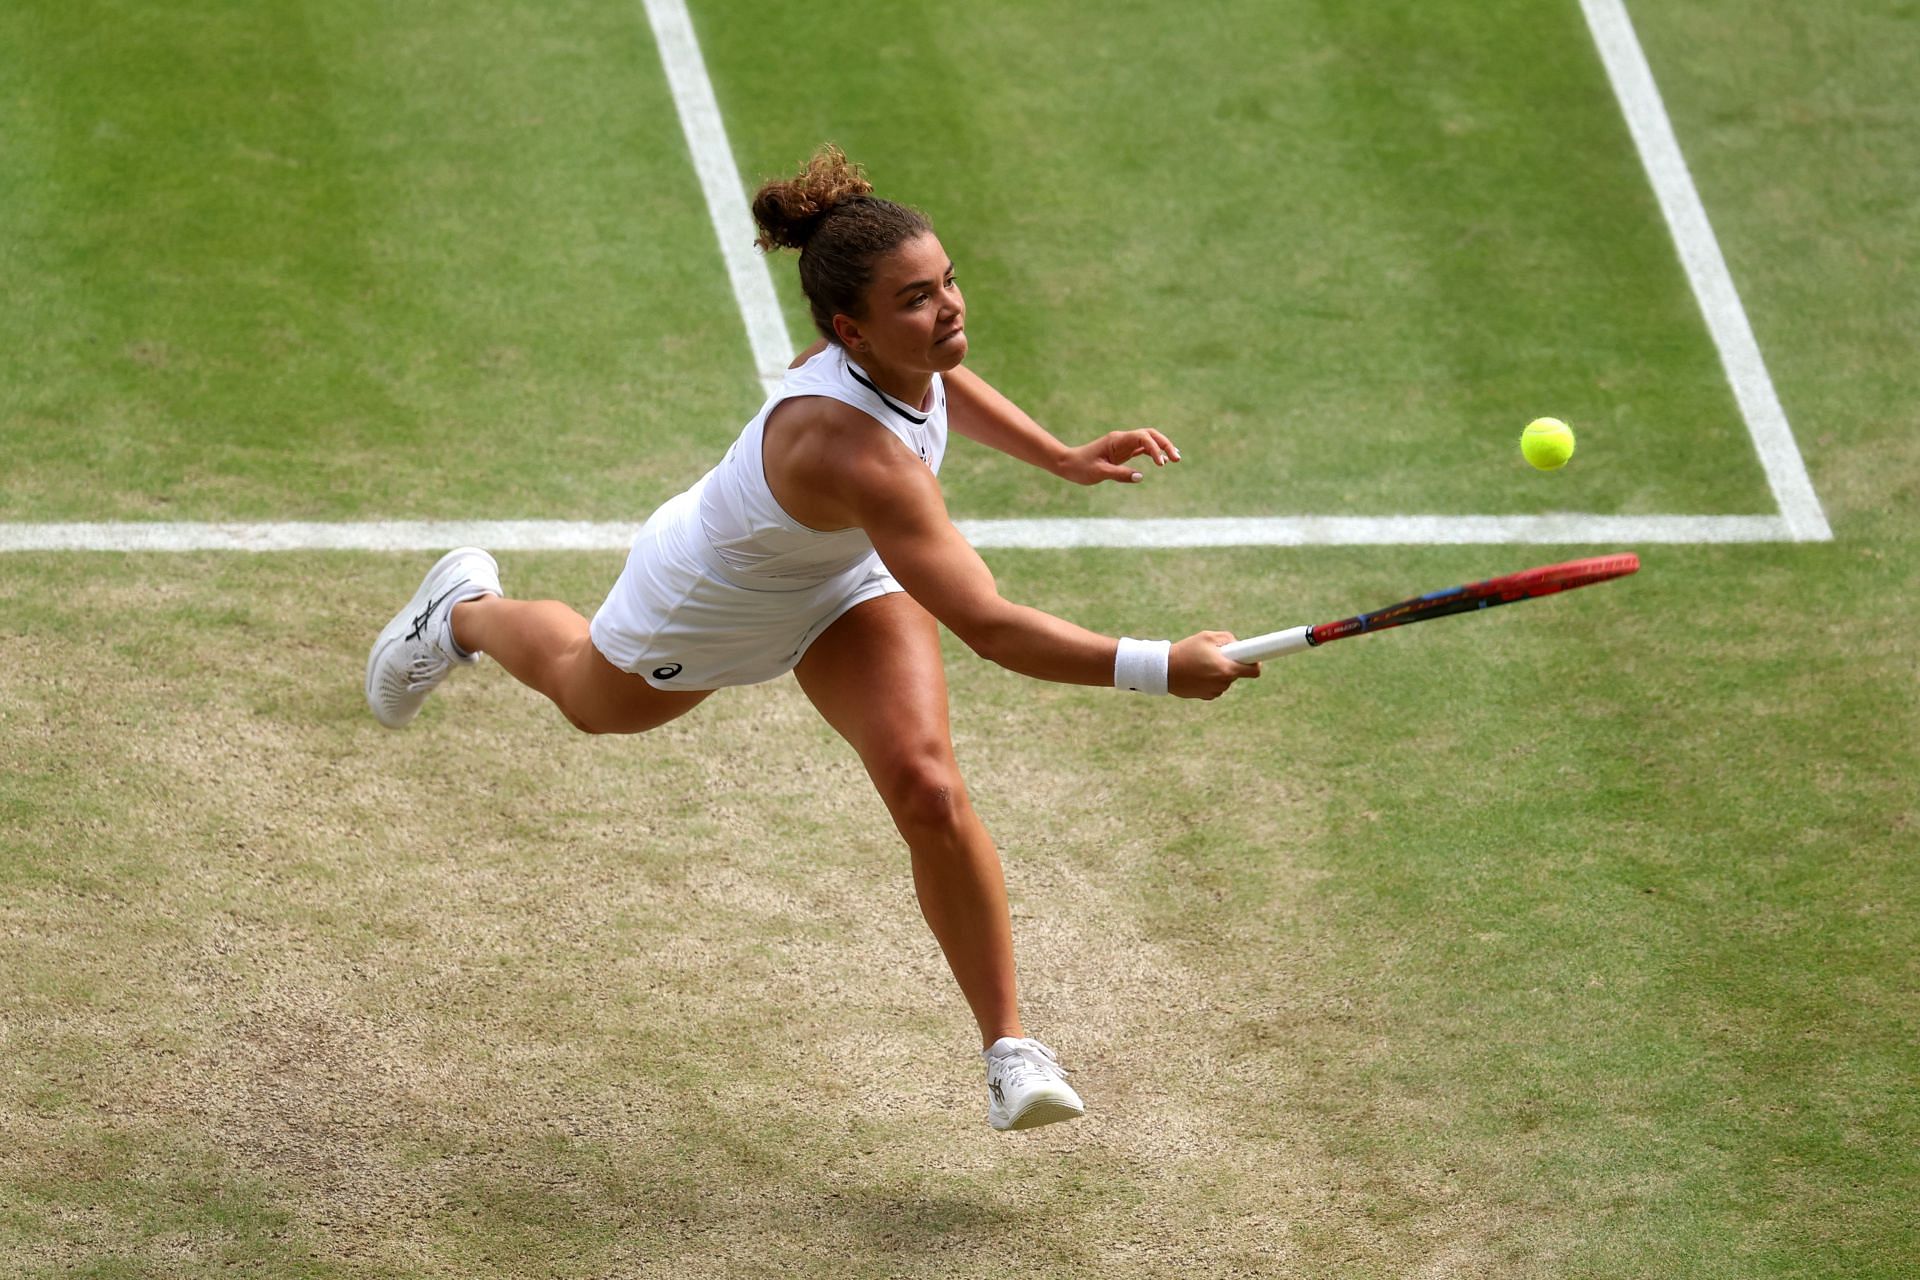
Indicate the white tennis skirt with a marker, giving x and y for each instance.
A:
(675, 618)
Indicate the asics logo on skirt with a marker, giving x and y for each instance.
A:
(667, 672)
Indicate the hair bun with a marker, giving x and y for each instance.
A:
(790, 212)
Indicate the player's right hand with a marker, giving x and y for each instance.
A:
(1197, 669)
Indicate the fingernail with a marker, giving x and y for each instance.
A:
(1138, 476)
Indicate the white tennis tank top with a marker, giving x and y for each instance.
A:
(749, 532)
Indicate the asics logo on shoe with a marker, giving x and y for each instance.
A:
(667, 672)
(993, 1087)
(420, 623)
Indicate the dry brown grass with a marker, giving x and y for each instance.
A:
(488, 997)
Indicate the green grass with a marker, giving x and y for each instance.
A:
(1574, 941)
(1346, 269)
(1345, 255)
(284, 261)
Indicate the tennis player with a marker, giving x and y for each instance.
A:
(821, 545)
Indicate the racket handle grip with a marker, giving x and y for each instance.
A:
(1275, 644)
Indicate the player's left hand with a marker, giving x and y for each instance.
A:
(1106, 458)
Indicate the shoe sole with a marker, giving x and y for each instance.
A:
(1044, 1111)
(402, 623)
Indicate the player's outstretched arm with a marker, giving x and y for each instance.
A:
(979, 412)
(898, 502)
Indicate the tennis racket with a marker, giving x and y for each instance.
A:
(1544, 581)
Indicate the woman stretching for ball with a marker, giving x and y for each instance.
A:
(821, 545)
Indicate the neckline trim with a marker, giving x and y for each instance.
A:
(917, 419)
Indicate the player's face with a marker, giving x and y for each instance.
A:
(916, 318)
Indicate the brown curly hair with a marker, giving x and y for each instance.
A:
(829, 213)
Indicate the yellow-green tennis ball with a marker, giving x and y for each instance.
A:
(1547, 443)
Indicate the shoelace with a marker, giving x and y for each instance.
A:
(428, 665)
(1029, 1057)
(425, 670)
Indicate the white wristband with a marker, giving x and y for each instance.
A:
(1141, 665)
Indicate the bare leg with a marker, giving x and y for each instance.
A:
(876, 677)
(544, 645)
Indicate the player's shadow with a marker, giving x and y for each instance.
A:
(913, 1227)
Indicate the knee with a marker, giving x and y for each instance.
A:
(592, 715)
(925, 794)
(584, 713)
(596, 699)
(585, 723)
(599, 719)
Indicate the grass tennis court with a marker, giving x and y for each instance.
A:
(1578, 940)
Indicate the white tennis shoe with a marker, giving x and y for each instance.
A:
(1026, 1086)
(416, 650)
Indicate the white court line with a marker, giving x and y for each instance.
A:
(1565, 529)
(1569, 529)
(1801, 517)
(1706, 269)
(720, 182)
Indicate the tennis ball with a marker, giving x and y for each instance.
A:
(1547, 443)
